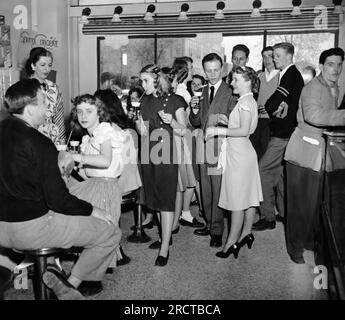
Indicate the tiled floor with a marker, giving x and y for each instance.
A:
(194, 272)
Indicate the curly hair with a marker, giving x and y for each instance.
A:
(161, 82)
(249, 74)
(102, 111)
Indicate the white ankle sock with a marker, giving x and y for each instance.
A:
(186, 215)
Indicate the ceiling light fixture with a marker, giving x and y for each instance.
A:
(256, 9)
(337, 7)
(116, 16)
(183, 13)
(219, 13)
(296, 11)
(84, 16)
(150, 10)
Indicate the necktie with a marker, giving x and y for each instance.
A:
(211, 94)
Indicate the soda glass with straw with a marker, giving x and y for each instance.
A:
(198, 93)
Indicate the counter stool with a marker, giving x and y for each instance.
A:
(40, 256)
(138, 235)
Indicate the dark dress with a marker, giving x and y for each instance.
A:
(159, 170)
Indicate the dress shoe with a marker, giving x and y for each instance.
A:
(216, 241)
(234, 249)
(202, 232)
(194, 203)
(157, 244)
(63, 290)
(109, 271)
(297, 259)
(263, 224)
(90, 288)
(124, 260)
(247, 240)
(176, 230)
(148, 225)
(144, 226)
(162, 261)
(281, 219)
(195, 223)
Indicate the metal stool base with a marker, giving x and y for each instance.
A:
(138, 236)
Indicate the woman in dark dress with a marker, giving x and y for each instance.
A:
(162, 115)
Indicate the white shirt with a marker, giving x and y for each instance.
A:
(271, 75)
(92, 145)
(282, 72)
(216, 87)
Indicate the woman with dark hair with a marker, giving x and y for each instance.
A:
(100, 160)
(198, 82)
(134, 96)
(241, 186)
(114, 106)
(129, 179)
(163, 113)
(179, 76)
(39, 66)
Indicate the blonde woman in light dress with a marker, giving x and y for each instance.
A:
(241, 189)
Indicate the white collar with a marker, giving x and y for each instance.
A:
(246, 94)
(271, 75)
(216, 86)
(282, 72)
(182, 85)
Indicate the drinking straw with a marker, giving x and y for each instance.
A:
(69, 137)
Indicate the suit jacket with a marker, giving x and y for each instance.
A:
(317, 108)
(223, 102)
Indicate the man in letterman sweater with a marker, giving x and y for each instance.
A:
(282, 108)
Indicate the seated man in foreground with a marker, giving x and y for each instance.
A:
(36, 209)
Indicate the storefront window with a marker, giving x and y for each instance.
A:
(122, 57)
(308, 46)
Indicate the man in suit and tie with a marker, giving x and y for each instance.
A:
(212, 109)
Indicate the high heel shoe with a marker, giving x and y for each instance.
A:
(248, 239)
(124, 260)
(162, 261)
(234, 249)
(175, 231)
(157, 244)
